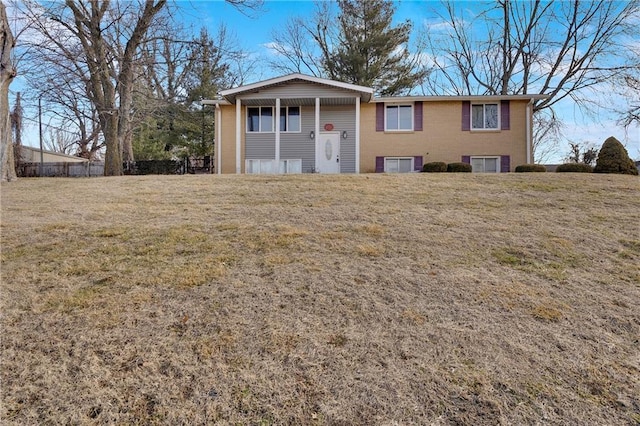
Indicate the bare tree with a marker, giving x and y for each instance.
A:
(7, 74)
(567, 49)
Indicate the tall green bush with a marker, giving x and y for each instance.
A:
(613, 158)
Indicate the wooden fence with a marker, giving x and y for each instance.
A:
(84, 169)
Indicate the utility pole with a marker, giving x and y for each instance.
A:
(40, 128)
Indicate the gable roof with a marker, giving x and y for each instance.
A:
(366, 93)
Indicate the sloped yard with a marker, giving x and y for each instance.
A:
(372, 299)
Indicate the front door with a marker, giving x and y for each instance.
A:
(328, 152)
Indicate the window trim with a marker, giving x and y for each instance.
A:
(286, 108)
(498, 159)
(412, 159)
(398, 105)
(485, 129)
(273, 118)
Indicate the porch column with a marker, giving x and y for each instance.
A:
(317, 128)
(277, 135)
(218, 151)
(238, 135)
(358, 134)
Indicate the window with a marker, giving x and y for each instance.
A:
(398, 117)
(269, 166)
(290, 119)
(260, 119)
(398, 165)
(484, 116)
(485, 164)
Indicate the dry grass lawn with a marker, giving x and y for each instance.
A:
(372, 299)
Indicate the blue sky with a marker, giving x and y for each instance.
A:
(254, 34)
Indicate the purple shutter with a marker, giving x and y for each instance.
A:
(466, 159)
(417, 116)
(379, 117)
(379, 164)
(466, 115)
(417, 163)
(505, 119)
(505, 164)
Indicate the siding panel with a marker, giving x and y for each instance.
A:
(299, 145)
(300, 90)
(260, 146)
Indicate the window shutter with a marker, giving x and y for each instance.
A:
(505, 164)
(417, 162)
(417, 117)
(505, 119)
(466, 115)
(379, 117)
(379, 164)
(466, 159)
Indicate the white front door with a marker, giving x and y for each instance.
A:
(328, 152)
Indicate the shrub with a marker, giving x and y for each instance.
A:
(435, 167)
(613, 158)
(574, 168)
(459, 168)
(531, 168)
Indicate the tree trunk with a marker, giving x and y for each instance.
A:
(113, 156)
(7, 73)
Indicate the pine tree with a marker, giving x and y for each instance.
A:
(371, 52)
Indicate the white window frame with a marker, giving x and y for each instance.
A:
(267, 166)
(398, 105)
(260, 108)
(412, 159)
(290, 166)
(484, 112)
(286, 115)
(485, 157)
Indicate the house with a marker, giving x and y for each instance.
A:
(303, 124)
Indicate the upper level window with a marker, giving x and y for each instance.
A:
(398, 117)
(484, 116)
(260, 119)
(290, 119)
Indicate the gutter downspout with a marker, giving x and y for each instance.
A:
(529, 130)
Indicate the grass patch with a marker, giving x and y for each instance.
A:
(384, 299)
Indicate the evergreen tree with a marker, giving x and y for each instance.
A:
(371, 52)
(613, 158)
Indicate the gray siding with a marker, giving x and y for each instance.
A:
(299, 145)
(343, 118)
(300, 90)
(260, 146)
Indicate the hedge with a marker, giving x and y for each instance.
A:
(435, 167)
(574, 168)
(531, 168)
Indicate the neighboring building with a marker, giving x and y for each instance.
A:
(32, 155)
(32, 164)
(302, 124)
